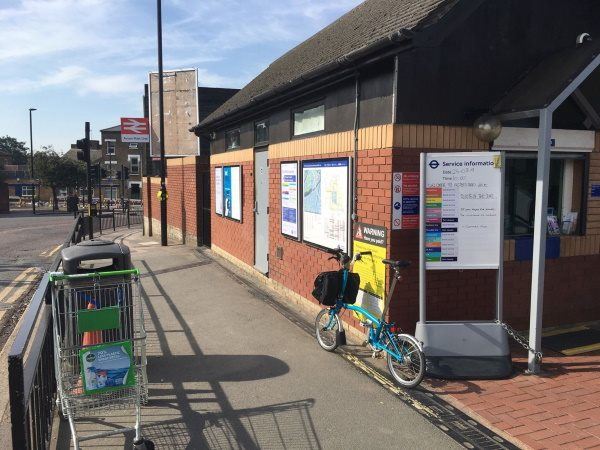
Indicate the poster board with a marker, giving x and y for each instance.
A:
(232, 192)
(219, 190)
(463, 210)
(290, 199)
(405, 200)
(325, 202)
(372, 240)
(180, 103)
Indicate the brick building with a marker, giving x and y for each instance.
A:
(383, 83)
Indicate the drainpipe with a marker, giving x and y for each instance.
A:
(355, 165)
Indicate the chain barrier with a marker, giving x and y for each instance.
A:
(521, 340)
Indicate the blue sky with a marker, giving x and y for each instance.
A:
(88, 60)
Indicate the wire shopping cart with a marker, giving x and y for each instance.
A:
(100, 348)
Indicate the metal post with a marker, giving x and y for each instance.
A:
(163, 188)
(31, 149)
(122, 187)
(539, 238)
(89, 178)
(500, 272)
(422, 262)
(100, 196)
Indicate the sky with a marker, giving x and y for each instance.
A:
(88, 60)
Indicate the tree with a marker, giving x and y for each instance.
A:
(57, 172)
(16, 149)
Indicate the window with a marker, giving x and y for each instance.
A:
(110, 192)
(27, 190)
(133, 146)
(135, 190)
(565, 193)
(110, 147)
(232, 138)
(261, 132)
(134, 164)
(309, 120)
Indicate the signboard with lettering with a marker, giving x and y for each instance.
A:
(371, 242)
(463, 210)
(595, 190)
(405, 201)
(135, 129)
(289, 199)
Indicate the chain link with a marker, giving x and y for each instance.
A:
(521, 340)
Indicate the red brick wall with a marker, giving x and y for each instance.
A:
(236, 238)
(301, 262)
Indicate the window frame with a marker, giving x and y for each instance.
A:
(114, 143)
(262, 143)
(562, 156)
(239, 144)
(138, 159)
(306, 107)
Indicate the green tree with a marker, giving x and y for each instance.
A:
(57, 171)
(17, 150)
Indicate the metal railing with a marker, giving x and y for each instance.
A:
(31, 373)
(118, 218)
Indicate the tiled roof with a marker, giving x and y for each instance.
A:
(369, 23)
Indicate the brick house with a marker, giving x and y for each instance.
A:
(385, 82)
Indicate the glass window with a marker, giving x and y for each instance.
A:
(309, 120)
(110, 192)
(232, 138)
(564, 195)
(27, 190)
(110, 147)
(133, 146)
(261, 132)
(134, 165)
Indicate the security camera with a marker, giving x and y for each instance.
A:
(583, 37)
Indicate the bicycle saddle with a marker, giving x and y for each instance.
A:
(399, 264)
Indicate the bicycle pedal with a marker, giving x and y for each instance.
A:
(377, 354)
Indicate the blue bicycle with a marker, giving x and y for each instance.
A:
(405, 359)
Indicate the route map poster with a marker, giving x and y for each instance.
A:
(289, 199)
(463, 210)
(232, 192)
(325, 215)
(219, 190)
(371, 241)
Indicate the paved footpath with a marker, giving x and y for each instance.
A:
(227, 370)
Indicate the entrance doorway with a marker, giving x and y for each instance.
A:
(261, 210)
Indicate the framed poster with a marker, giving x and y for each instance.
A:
(325, 202)
(232, 192)
(219, 190)
(463, 210)
(290, 200)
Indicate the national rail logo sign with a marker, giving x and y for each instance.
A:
(135, 130)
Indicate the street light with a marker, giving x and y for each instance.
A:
(31, 147)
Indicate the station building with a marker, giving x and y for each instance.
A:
(367, 95)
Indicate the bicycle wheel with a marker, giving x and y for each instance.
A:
(410, 371)
(326, 328)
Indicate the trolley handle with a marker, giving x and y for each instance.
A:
(58, 276)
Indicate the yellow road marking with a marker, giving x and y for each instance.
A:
(43, 253)
(580, 350)
(15, 288)
(57, 248)
(557, 332)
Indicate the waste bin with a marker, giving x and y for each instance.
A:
(98, 256)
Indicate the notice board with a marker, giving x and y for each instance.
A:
(232, 192)
(325, 194)
(405, 200)
(219, 190)
(289, 199)
(463, 210)
(371, 241)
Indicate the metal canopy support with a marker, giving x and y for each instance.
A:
(539, 239)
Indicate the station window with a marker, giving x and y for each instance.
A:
(261, 132)
(309, 120)
(232, 138)
(565, 194)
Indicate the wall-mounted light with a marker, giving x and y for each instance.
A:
(487, 128)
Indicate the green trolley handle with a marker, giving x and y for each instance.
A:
(59, 276)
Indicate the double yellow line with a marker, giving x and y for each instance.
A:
(49, 253)
(18, 286)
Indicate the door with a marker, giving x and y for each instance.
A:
(261, 211)
(203, 209)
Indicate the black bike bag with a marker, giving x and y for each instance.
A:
(328, 286)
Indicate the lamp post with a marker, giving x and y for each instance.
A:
(31, 148)
(163, 188)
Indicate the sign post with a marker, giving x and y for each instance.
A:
(461, 228)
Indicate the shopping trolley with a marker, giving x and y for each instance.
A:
(100, 348)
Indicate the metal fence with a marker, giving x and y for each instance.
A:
(118, 218)
(31, 373)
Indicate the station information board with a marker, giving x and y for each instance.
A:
(463, 210)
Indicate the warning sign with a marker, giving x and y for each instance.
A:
(371, 242)
(405, 201)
